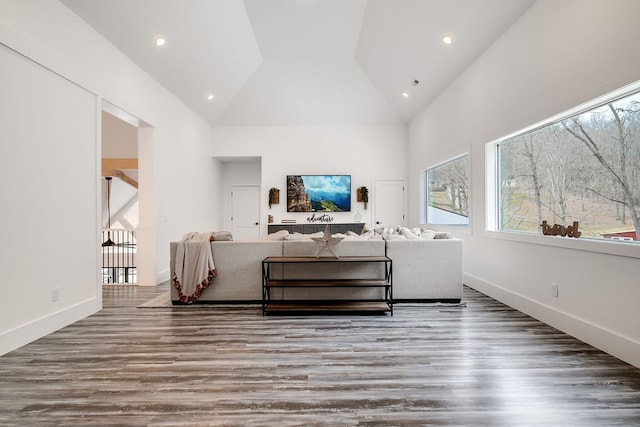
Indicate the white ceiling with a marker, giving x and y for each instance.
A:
(302, 62)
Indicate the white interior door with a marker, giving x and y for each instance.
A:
(245, 211)
(388, 203)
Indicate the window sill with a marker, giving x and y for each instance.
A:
(462, 230)
(631, 250)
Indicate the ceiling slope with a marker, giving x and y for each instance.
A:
(302, 62)
(401, 42)
(210, 44)
(306, 29)
(309, 93)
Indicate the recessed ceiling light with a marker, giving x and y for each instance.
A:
(405, 94)
(210, 96)
(161, 41)
(448, 39)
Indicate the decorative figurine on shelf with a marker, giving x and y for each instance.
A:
(327, 243)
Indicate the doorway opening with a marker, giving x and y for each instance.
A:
(122, 197)
(241, 184)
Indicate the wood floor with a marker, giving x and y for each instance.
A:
(480, 365)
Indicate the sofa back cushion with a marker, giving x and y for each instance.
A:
(339, 270)
(334, 270)
(238, 267)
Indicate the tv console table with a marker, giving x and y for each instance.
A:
(356, 227)
(270, 305)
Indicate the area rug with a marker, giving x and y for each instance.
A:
(162, 300)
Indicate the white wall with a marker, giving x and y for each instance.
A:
(185, 179)
(558, 55)
(48, 191)
(55, 106)
(119, 138)
(364, 152)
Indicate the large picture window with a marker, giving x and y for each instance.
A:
(584, 167)
(447, 192)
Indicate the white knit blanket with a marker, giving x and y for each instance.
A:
(194, 268)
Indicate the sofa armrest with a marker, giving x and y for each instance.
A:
(426, 269)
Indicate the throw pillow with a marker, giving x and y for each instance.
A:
(404, 231)
(297, 236)
(368, 235)
(221, 236)
(390, 236)
(278, 235)
(443, 235)
(428, 235)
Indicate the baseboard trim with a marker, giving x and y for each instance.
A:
(614, 344)
(15, 338)
(427, 300)
(162, 276)
(220, 302)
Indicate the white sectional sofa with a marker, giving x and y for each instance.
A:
(425, 270)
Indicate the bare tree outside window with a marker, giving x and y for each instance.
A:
(583, 168)
(448, 192)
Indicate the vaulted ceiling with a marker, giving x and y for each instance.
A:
(302, 62)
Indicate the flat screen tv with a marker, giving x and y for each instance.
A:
(318, 193)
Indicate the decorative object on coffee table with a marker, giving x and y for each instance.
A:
(363, 196)
(327, 243)
(274, 196)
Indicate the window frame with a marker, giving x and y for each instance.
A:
(424, 173)
(492, 190)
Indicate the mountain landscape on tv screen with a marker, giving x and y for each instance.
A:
(330, 201)
(319, 193)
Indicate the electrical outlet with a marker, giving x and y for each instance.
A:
(554, 290)
(55, 294)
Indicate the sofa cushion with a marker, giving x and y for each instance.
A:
(404, 231)
(366, 235)
(428, 235)
(298, 236)
(278, 235)
(392, 236)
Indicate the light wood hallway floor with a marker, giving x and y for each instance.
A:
(480, 365)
